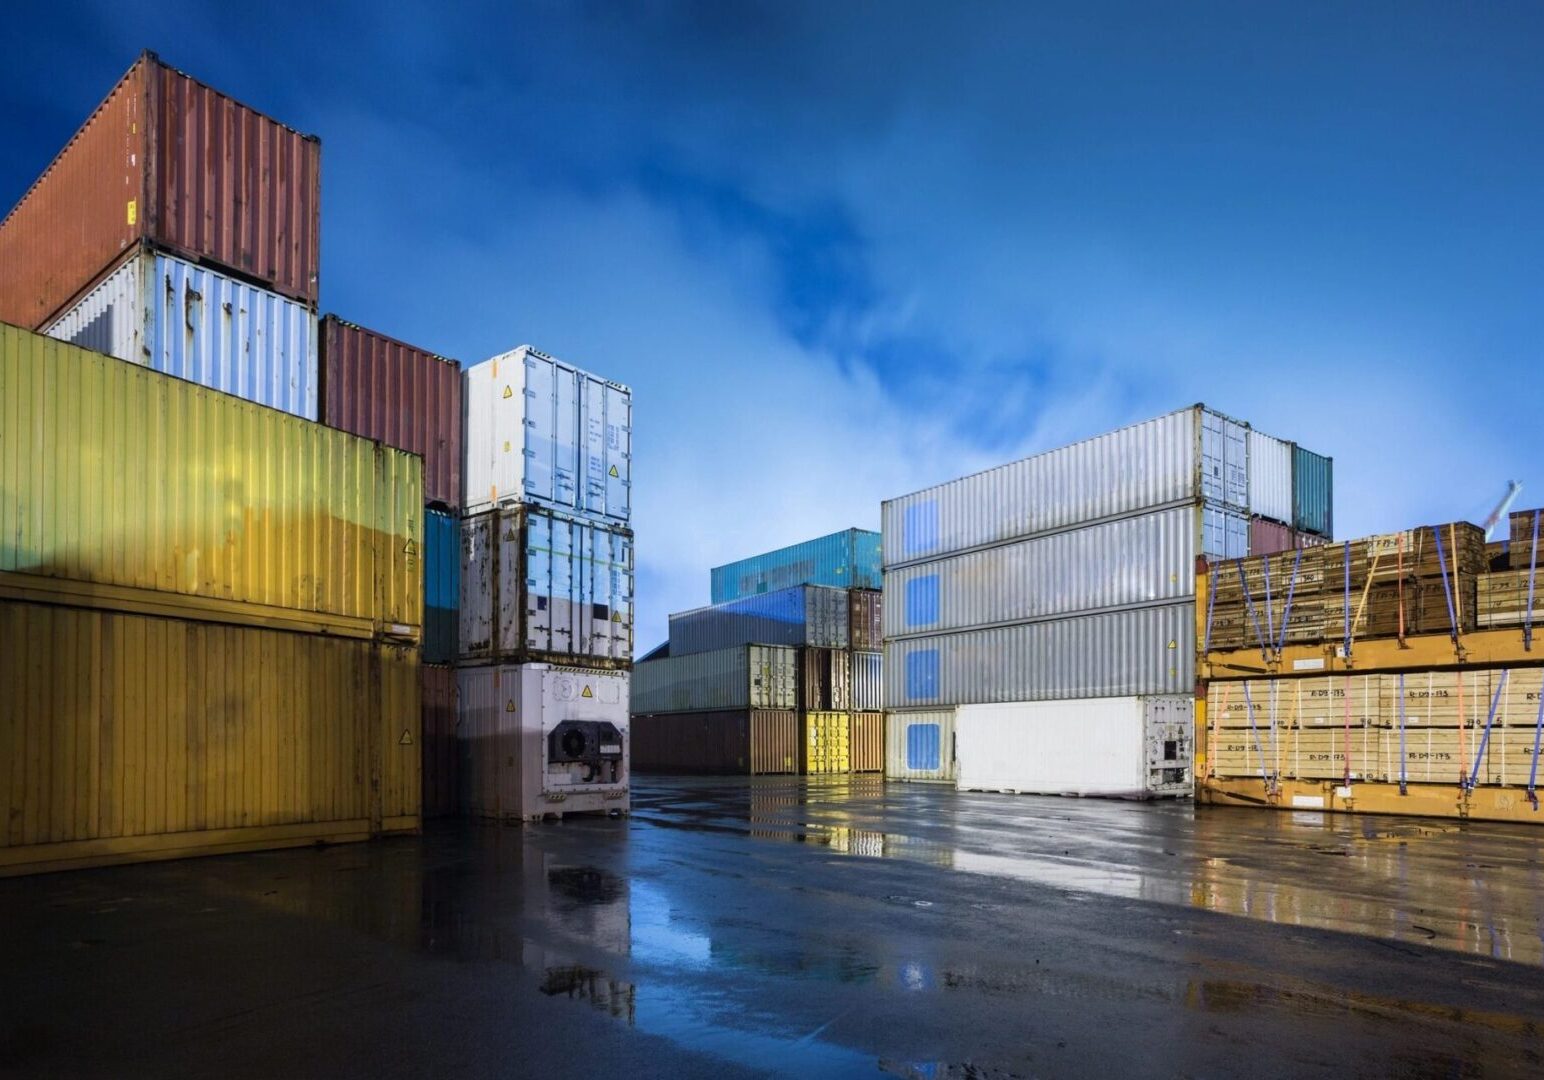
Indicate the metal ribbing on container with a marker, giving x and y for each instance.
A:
(1270, 477)
(807, 615)
(442, 586)
(847, 559)
(867, 607)
(919, 745)
(756, 676)
(726, 743)
(868, 688)
(1137, 651)
(1313, 492)
(438, 740)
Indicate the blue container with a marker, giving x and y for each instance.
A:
(442, 586)
(803, 615)
(1313, 493)
(844, 560)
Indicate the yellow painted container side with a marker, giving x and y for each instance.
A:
(125, 737)
(114, 477)
(827, 743)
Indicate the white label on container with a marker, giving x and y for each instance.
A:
(1309, 801)
(1343, 792)
(1308, 665)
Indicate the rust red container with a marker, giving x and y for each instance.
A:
(868, 742)
(740, 742)
(399, 394)
(1268, 537)
(867, 615)
(167, 160)
(438, 740)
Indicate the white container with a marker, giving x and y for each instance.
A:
(180, 319)
(747, 677)
(542, 431)
(1146, 650)
(1270, 477)
(1127, 747)
(540, 585)
(1184, 458)
(535, 739)
(919, 745)
(814, 615)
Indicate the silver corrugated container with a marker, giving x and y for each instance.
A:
(748, 677)
(919, 745)
(1134, 651)
(1270, 477)
(1182, 458)
(812, 615)
(1224, 534)
(868, 683)
(1129, 561)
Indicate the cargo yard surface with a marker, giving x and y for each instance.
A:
(806, 927)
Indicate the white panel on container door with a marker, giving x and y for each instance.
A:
(567, 438)
(539, 571)
(591, 445)
(539, 424)
(1213, 455)
(618, 453)
(1235, 448)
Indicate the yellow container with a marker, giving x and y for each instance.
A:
(125, 738)
(125, 489)
(827, 743)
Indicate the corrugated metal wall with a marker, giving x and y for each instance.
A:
(728, 743)
(827, 743)
(1313, 492)
(189, 321)
(806, 615)
(868, 687)
(1270, 477)
(1135, 651)
(845, 560)
(867, 618)
(438, 740)
(407, 397)
(442, 587)
(114, 475)
(868, 742)
(756, 677)
(919, 745)
(165, 159)
(125, 737)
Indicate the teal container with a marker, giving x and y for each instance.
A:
(845, 560)
(1313, 493)
(442, 586)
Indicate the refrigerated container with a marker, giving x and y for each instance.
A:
(812, 615)
(407, 397)
(167, 160)
(536, 585)
(737, 742)
(1124, 747)
(122, 488)
(181, 319)
(919, 745)
(541, 431)
(538, 740)
(747, 677)
(845, 560)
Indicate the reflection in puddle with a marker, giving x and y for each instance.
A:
(601, 991)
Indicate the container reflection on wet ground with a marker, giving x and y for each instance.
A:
(820, 928)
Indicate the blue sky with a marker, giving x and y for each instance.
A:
(841, 251)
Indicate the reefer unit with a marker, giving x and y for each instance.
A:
(845, 560)
(1146, 650)
(1127, 747)
(1189, 457)
(804, 615)
(919, 745)
(180, 319)
(407, 397)
(537, 739)
(735, 742)
(536, 585)
(125, 738)
(542, 431)
(165, 159)
(747, 677)
(442, 587)
(121, 487)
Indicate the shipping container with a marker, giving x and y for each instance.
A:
(868, 742)
(747, 677)
(1313, 492)
(168, 160)
(919, 745)
(740, 742)
(1135, 651)
(826, 743)
(442, 587)
(126, 738)
(1187, 457)
(825, 679)
(866, 607)
(1270, 477)
(542, 586)
(811, 615)
(1123, 747)
(845, 560)
(171, 316)
(868, 684)
(538, 740)
(124, 488)
(542, 431)
(1268, 537)
(407, 397)
(1136, 560)
(438, 740)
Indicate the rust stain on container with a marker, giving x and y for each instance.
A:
(439, 739)
(171, 161)
(868, 742)
(732, 742)
(125, 738)
(407, 397)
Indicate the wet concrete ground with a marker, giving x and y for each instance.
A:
(834, 928)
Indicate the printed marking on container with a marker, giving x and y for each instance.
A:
(508, 393)
(614, 472)
(407, 738)
(587, 691)
(133, 211)
(509, 706)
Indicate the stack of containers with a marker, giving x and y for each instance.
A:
(410, 398)
(1065, 577)
(1289, 495)
(545, 638)
(781, 673)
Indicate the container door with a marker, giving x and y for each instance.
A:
(617, 430)
(512, 407)
(475, 618)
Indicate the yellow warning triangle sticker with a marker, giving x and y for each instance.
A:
(407, 738)
(587, 692)
(614, 471)
(616, 616)
(1171, 644)
(508, 393)
(509, 706)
